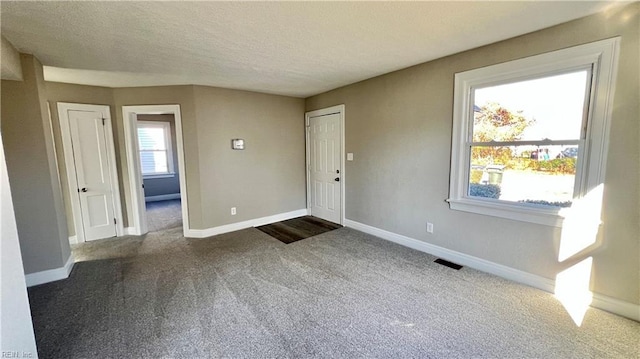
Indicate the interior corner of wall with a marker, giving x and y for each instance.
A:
(10, 61)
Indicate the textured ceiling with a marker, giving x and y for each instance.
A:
(289, 48)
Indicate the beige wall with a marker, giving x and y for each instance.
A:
(399, 128)
(268, 176)
(10, 67)
(32, 170)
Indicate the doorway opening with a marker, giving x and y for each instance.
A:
(153, 136)
(160, 175)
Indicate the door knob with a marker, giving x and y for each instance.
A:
(337, 179)
(84, 189)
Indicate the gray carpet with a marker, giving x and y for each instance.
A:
(338, 295)
(163, 215)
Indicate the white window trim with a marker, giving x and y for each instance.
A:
(154, 176)
(603, 55)
(166, 126)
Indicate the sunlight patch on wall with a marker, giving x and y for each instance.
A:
(581, 223)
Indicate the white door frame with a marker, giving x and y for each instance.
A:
(339, 109)
(129, 117)
(72, 180)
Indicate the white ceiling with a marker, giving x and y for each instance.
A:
(289, 48)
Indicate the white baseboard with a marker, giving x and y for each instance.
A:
(457, 257)
(616, 306)
(127, 231)
(600, 301)
(204, 233)
(162, 197)
(50, 275)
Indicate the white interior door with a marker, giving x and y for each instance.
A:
(93, 174)
(324, 167)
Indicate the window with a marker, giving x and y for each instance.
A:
(154, 141)
(530, 135)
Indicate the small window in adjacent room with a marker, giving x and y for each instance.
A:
(154, 141)
(530, 135)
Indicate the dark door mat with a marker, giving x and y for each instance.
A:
(295, 229)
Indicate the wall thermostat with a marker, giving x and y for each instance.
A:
(237, 144)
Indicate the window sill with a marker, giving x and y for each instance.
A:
(545, 216)
(161, 175)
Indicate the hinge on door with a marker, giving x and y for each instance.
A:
(103, 121)
(114, 221)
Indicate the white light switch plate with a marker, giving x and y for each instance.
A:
(349, 156)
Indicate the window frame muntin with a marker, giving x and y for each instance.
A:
(602, 57)
(166, 126)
